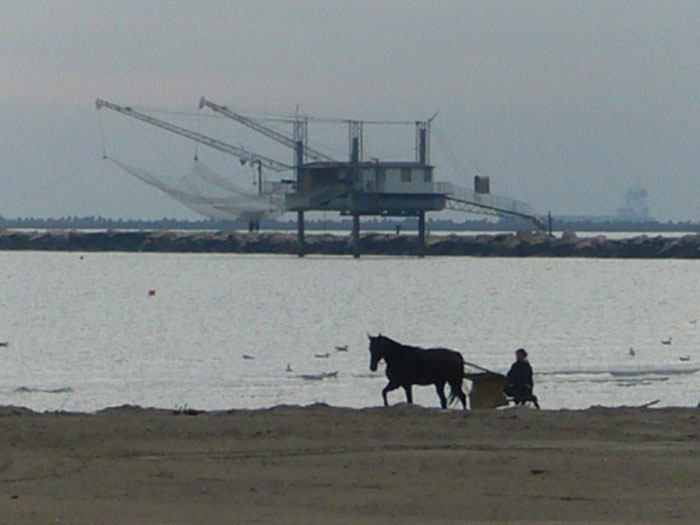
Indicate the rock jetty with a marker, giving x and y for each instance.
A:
(521, 244)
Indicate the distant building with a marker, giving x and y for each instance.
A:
(635, 207)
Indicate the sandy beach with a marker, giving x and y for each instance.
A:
(319, 464)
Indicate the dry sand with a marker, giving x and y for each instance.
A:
(318, 464)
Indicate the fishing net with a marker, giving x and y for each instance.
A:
(208, 193)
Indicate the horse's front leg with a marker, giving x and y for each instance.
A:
(409, 393)
(388, 388)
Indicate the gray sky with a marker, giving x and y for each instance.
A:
(564, 104)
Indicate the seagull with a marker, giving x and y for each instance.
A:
(4, 343)
(289, 367)
(667, 341)
(322, 356)
(684, 358)
(343, 348)
(632, 352)
(246, 356)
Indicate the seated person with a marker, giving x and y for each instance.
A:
(519, 385)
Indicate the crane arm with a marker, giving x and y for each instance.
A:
(230, 149)
(264, 130)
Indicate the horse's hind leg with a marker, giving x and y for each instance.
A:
(440, 389)
(463, 398)
(456, 392)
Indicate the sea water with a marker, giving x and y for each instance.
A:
(89, 330)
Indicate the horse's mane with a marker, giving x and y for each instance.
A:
(396, 344)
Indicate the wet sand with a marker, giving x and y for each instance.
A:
(319, 464)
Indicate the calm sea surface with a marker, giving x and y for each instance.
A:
(83, 332)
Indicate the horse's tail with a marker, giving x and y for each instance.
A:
(452, 397)
(456, 391)
(457, 382)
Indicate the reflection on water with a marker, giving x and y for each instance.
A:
(86, 333)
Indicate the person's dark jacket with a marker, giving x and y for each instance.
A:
(520, 374)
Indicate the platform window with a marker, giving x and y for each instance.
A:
(405, 174)
(427, 175)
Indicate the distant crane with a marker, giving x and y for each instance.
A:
(275, 135)
(243, 154)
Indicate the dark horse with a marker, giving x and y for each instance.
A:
(410, 365)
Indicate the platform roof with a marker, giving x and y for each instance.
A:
(363, 164)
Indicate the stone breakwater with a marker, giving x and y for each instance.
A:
(522, 244)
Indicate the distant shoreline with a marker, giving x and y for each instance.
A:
(136, 410)
(521, 244)
(369, 224)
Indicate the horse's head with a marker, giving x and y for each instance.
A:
(376, 351)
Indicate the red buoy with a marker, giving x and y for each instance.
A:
(151, 293)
